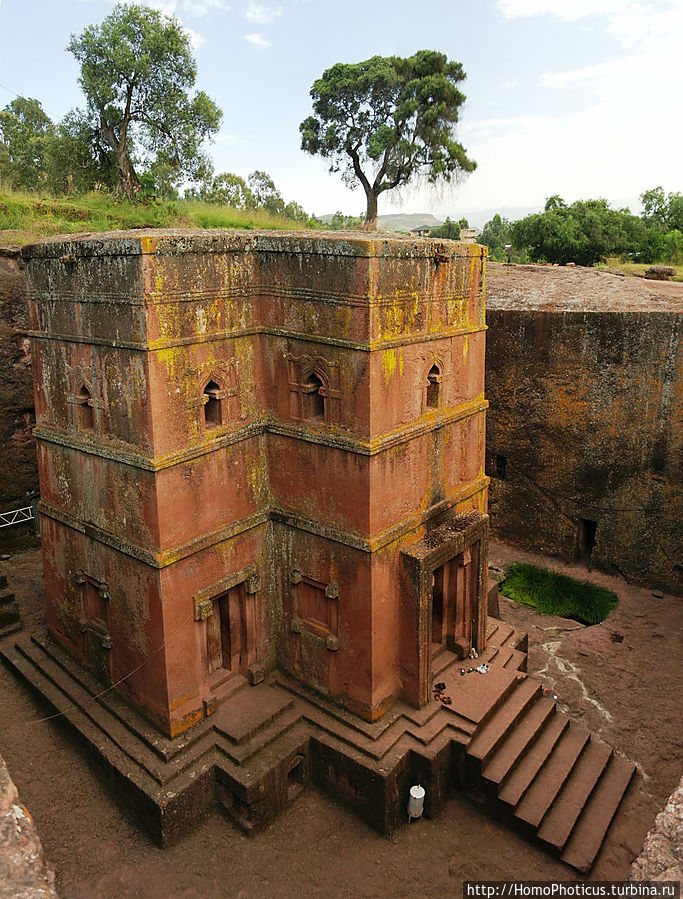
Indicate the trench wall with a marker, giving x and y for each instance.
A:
(585, 424)
(17, 416)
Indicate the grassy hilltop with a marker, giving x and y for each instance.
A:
(25, 217)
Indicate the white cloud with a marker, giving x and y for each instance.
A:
(258, 41)
(261, 14)
(570, 11)
(628, 21)
(508, 85)
(587, 73)
(201, 7)
(605, 145)
(512, 123)
(197, 8)
(227, 139)
(196, 39)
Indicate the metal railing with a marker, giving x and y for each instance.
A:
(17, 516)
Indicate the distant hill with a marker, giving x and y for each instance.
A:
(402, 221)
(479, 218)
(407, 221)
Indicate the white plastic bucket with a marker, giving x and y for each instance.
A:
(416, 801)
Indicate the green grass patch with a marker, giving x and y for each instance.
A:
(552, 593)
(26, 217)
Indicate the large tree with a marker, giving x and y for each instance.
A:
(137, 72)
(265, 194)
(387, 120)
(26, 132)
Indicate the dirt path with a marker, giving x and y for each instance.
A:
(627, 690)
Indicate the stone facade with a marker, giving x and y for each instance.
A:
(585, 429)
(250, 447)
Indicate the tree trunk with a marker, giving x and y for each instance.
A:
(128, 180)
(370, 223)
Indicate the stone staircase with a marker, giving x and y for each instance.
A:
(545, 775)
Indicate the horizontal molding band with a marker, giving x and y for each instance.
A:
(165, 344)
(252, 242)
(385, 442)
(140, 461)
(386, 537)
(160, 559)
(169, 296)
(164, 558)
(282, 429)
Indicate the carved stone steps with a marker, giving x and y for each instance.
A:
(560, 819)
(525, 771)
(10, 620)
(522, 737)
(596, 817)
(547, 774)
(550, 780)
(488, 738)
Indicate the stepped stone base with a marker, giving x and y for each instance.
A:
(497, 740)
(10, 621)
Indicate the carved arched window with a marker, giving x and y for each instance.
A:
(86, 412)
(433, 386)
(213, 410)
(311, 395)
(314, 398)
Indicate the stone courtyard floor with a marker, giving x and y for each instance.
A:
(622, 679)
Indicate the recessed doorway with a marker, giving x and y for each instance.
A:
(231, 645)
(455, 603)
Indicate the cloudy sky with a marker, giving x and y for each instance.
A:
(573, 97)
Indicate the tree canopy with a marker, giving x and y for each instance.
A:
(387, 120)
(588, 231)
(25, 135)
(662, 209)
(585, 232)
(137, 72)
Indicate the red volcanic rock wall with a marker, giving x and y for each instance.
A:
(585, 380)
(17, 447)
(237, 435)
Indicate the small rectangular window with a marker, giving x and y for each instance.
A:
(501, 467)
(587, 532)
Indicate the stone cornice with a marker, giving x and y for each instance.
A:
(165, 344)
(406, 433)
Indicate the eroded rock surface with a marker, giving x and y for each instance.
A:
(661, 857)
(24, 871)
